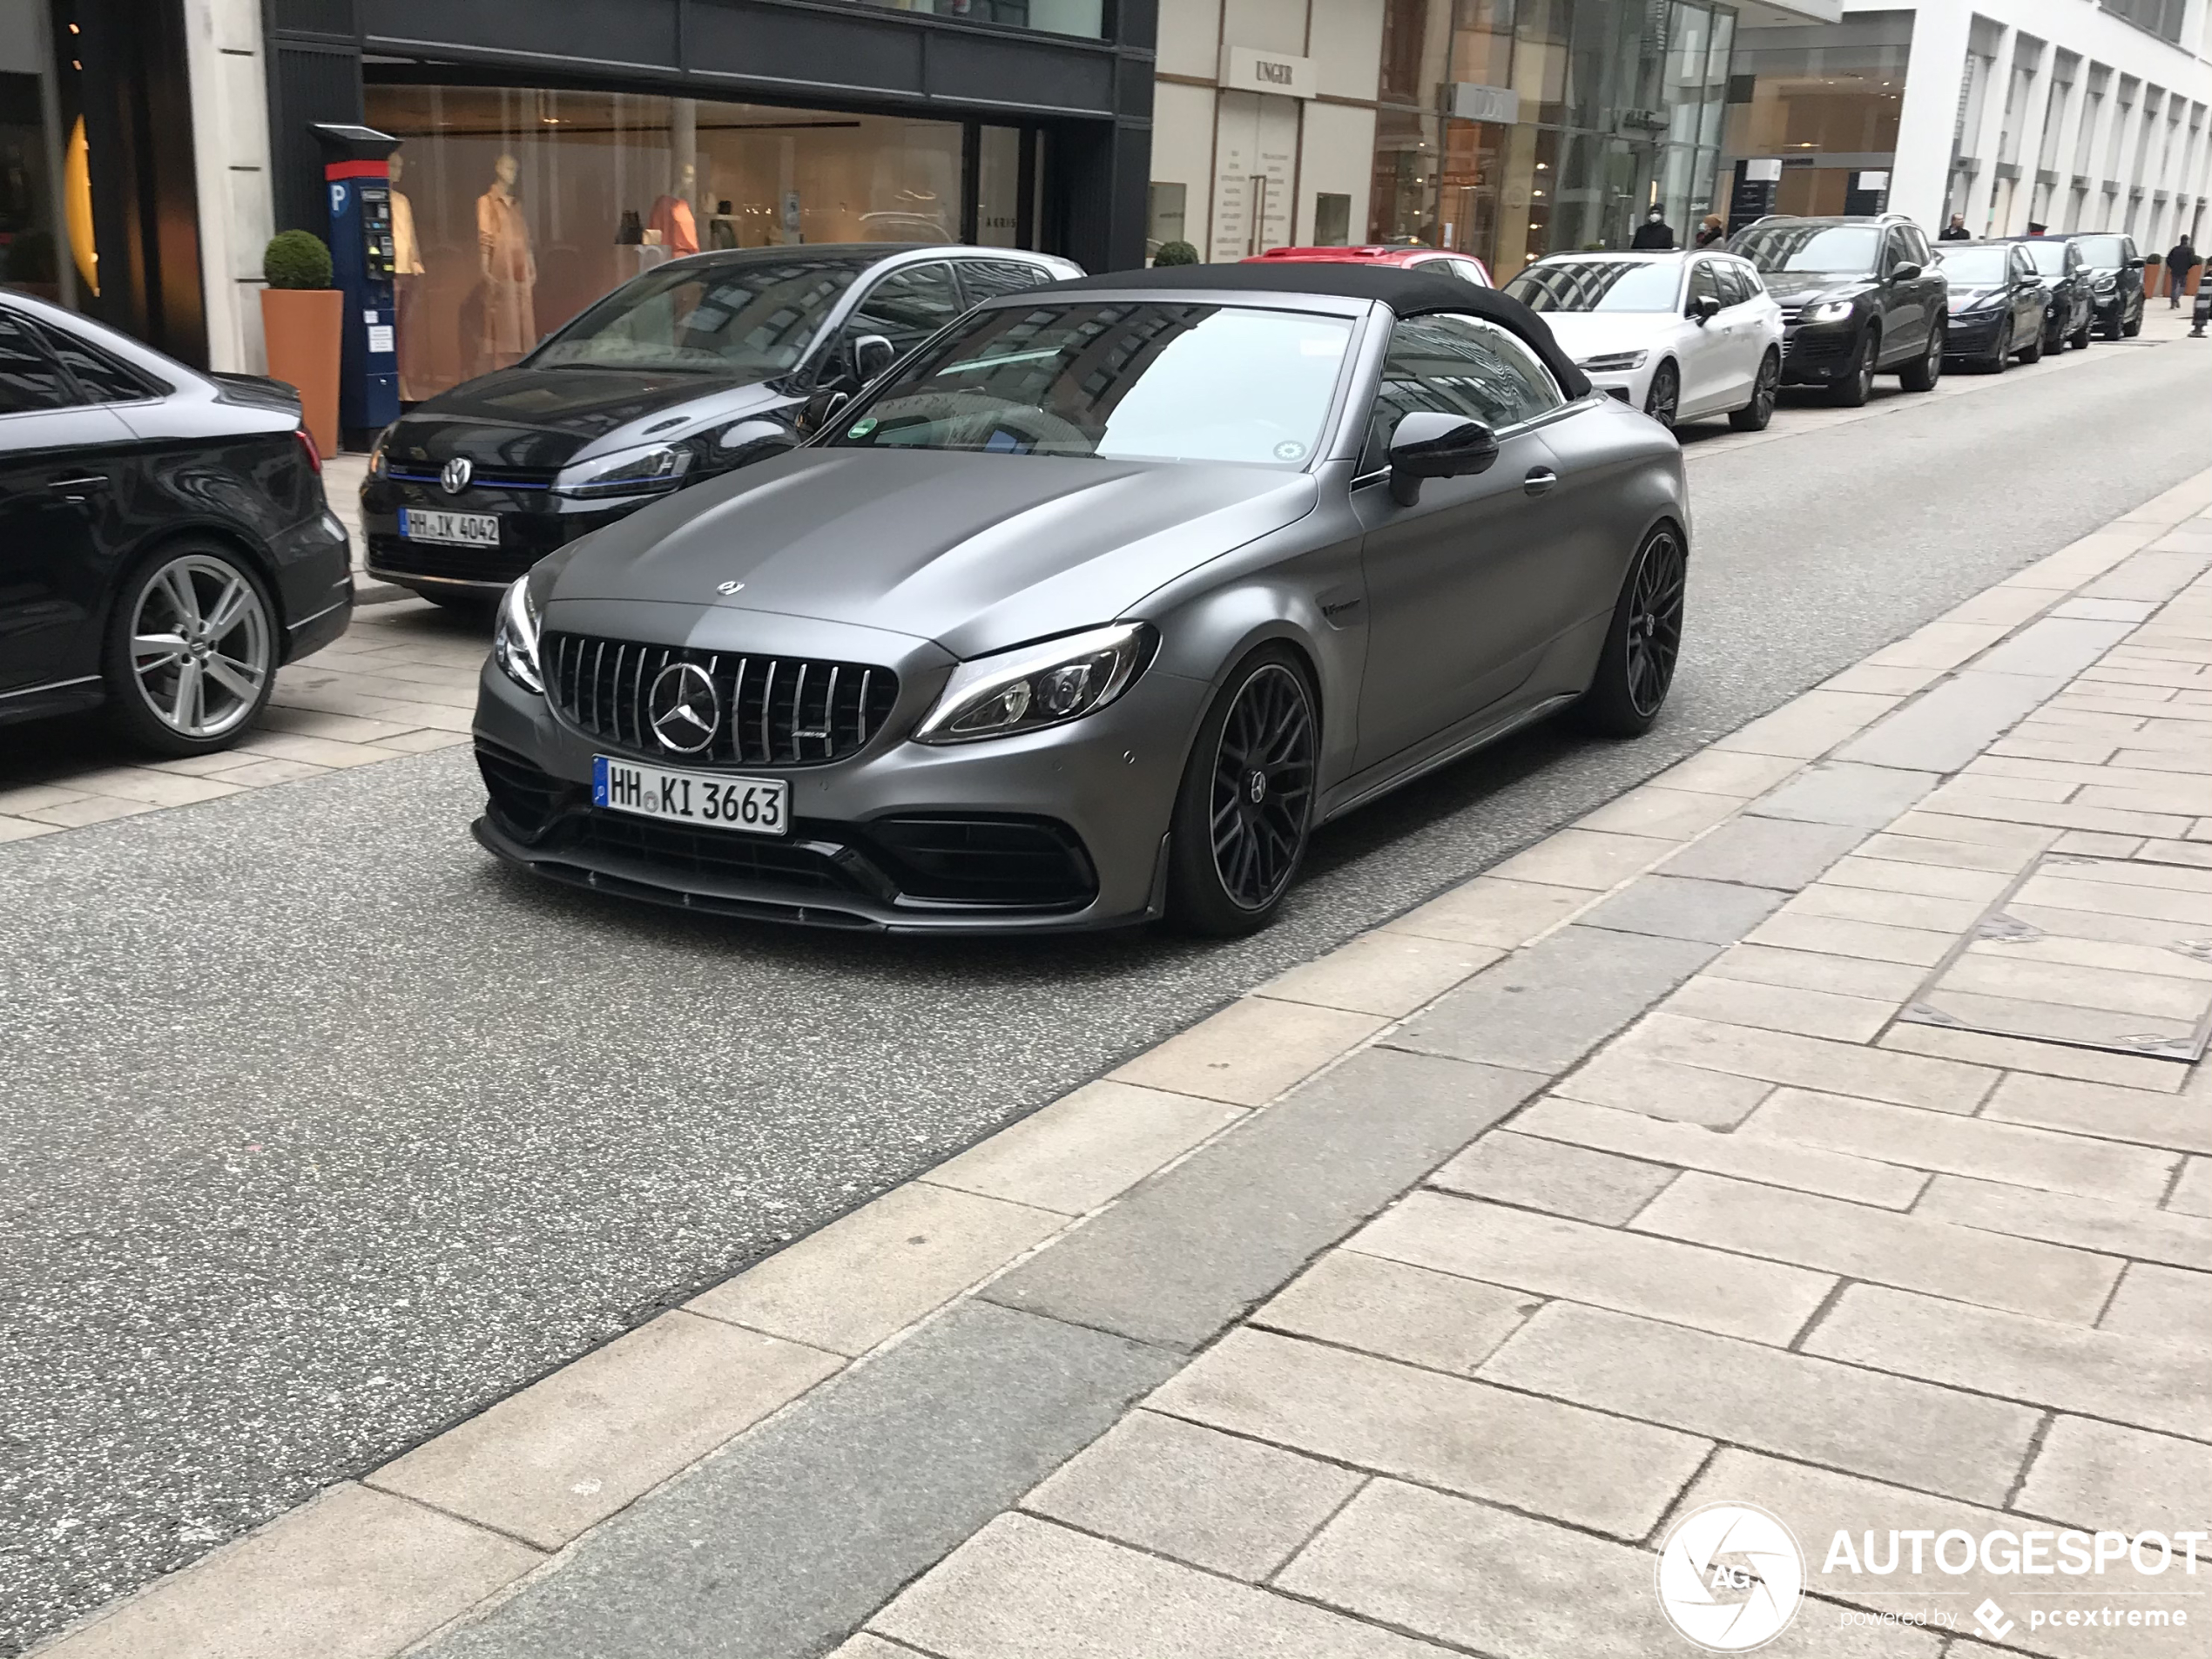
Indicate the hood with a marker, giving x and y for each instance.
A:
(1795, 287)
(1965, 296)
(528, 418)
(973, 551)
(1585, 334)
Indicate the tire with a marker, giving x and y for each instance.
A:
(1663, 399)
(1245, 808)
(192, 648)
(1924, 371)
(2132, 329)
(1852, 391)
(1766, 386)
(1635, 668)
(2112, 330)
(2001, 354)
(2082, 335)
(2034, 353)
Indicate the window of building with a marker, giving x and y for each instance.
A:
(1085, 17)
(1332, 218)
(1164, 208)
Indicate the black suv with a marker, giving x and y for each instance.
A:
(1859, 296)
(2115, 280)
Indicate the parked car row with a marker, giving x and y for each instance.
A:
(942, 588)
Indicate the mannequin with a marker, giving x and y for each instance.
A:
(407, 266)
(509, 269)
(672, 216)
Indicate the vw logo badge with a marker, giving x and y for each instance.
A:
(456, 474)
(683, 709)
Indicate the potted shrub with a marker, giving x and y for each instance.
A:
(302, 317)
(1175, 253)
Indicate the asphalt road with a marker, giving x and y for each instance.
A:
(322, 1132)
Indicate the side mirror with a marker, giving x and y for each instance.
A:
(1429, 443)
(1905, 273)
(2137, 263)
(750, 440)
(1705, 308)
(872, 354)
(821, 409)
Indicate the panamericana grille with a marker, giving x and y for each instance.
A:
(776, 711)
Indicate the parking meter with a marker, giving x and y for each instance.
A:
(362, 256)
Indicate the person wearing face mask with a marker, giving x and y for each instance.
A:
(1654, 232)
(1714, 230)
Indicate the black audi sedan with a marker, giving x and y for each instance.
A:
(2115, 268)
(2001, 305)
(1860, 296)
(165, 544)
(680, 374)
(2072, 310)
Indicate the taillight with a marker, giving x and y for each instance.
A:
(307, 444)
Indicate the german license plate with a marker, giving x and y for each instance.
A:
(752, 806)
(455, 529)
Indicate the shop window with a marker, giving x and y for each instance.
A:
(1085, 17)
(1165, 209)
(998, 187)
(517, 209)
(1331, 220)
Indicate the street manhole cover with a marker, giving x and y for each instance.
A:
(2100, 953)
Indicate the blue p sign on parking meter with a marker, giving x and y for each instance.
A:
(362, 257)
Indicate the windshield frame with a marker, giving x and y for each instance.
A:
(1674, 307)
(1369, 320)
(865, 267)
(2002, 252)
(1741, 246)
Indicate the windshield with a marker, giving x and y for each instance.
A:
(1810, 247)
(2102, 250)
(2049, 257)
(1598, 284)
(1977, 267)
(1121, 378)
(753, 318)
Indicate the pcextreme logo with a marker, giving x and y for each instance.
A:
(1730, 1577)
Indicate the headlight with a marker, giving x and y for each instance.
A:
(1825, 311)
(1035, 686)
(2105, 284)
(628, 472)
(1613, 362)
(514, 643)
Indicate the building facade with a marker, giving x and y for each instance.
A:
(2009, 113)
(1507, 129)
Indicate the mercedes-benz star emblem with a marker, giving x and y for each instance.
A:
(683, 708)
(456, 474)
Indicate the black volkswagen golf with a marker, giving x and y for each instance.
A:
(694, 368)
(165, 544)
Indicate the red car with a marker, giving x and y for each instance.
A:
(1438, 260)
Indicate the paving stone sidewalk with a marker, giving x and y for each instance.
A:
(1820, 1125)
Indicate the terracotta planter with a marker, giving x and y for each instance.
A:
(301, 327)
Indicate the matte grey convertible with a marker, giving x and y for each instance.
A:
(1091, 609)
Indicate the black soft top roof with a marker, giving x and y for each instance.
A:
(1408, 293)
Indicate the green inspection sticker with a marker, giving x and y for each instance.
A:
(860, 429)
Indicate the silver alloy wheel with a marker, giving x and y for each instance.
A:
(201, 647)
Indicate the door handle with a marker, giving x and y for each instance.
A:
(1539, 479)
(78, 489)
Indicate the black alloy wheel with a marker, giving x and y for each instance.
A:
(1664, 397)
(1636, 667)
(2000, 354)
(1858, 383)
(1924, 371)
(1246, 806)
(1754, 415)
(2133, 329)
(2032, 352)
(2112, 324)
(2081, 336)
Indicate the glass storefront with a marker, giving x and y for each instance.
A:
(1620, 110)
(46, 195)
(1086, 18)
(518, 208)
(1824, 100)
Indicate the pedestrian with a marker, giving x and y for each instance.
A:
(1654, 232)
(1956, 230)
(2178, 263)
(1714, 229)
